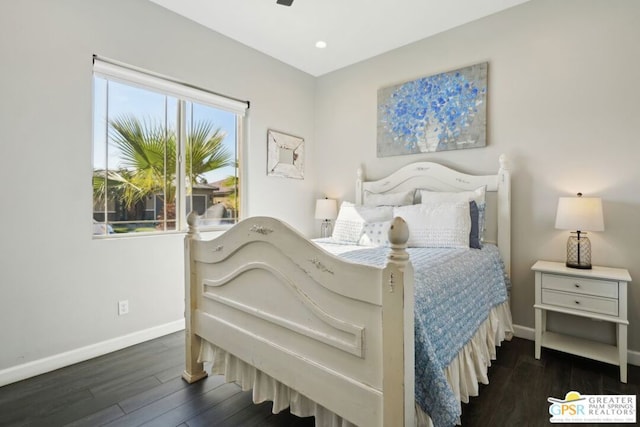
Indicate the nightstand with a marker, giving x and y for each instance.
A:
(599, 293)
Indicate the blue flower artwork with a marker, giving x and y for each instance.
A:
(446, 111)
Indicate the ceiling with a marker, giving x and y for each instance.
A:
(354, 30)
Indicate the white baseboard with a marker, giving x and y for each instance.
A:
(633, 357)
(47, 364)
(524, 332)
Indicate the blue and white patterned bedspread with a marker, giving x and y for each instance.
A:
(455, 289)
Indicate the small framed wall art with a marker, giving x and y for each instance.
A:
(285, 155)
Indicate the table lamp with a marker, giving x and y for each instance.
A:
(326, 210)
(580, 214)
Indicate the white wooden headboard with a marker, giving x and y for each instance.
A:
(436, 177)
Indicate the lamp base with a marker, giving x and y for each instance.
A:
(580, 266)
(579, 251)
(325, 228)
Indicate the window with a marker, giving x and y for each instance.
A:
(161, 149)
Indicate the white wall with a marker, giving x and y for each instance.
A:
(563, 104)
(59, 287)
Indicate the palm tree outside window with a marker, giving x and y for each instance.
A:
(157, 156)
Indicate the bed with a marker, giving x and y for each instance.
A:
(328, 328)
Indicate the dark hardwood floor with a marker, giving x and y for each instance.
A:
(141, 385)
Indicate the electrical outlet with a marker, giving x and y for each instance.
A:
(123, 307)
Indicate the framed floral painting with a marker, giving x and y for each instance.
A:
(446, 111)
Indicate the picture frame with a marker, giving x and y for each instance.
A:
(446, 111)
(285, 155)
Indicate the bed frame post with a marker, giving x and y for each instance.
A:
(359, 181)
(194, 370)
(504, 213)
(398, 383)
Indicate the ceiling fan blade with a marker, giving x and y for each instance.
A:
(285, 2)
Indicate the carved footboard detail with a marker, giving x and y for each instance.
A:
(355, 333)
(310, 320)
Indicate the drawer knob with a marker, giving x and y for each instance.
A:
(577, 285)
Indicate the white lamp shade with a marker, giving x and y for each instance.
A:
(326, 209)
(580, 213)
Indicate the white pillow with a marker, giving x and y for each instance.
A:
(351, 220)
(389, 199)
(477, 195)
(375, 234)
(437, 225)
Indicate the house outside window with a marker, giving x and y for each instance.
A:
(160, 150)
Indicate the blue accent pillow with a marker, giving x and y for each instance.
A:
(474, 236)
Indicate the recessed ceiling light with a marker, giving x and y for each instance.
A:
(321, 44)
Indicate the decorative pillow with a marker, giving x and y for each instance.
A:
(389, 199)
(478, 195)
(474, 234)
(351, 220)
(437, 225)
(375, 234)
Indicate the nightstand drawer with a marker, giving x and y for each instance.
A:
(580, 285)
(581, 302)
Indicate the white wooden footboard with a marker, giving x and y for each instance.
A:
(337, 332)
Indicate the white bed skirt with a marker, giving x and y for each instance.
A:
(463, 374)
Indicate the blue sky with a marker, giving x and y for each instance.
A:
(158, 108)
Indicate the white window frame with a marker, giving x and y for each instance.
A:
(112, 70)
